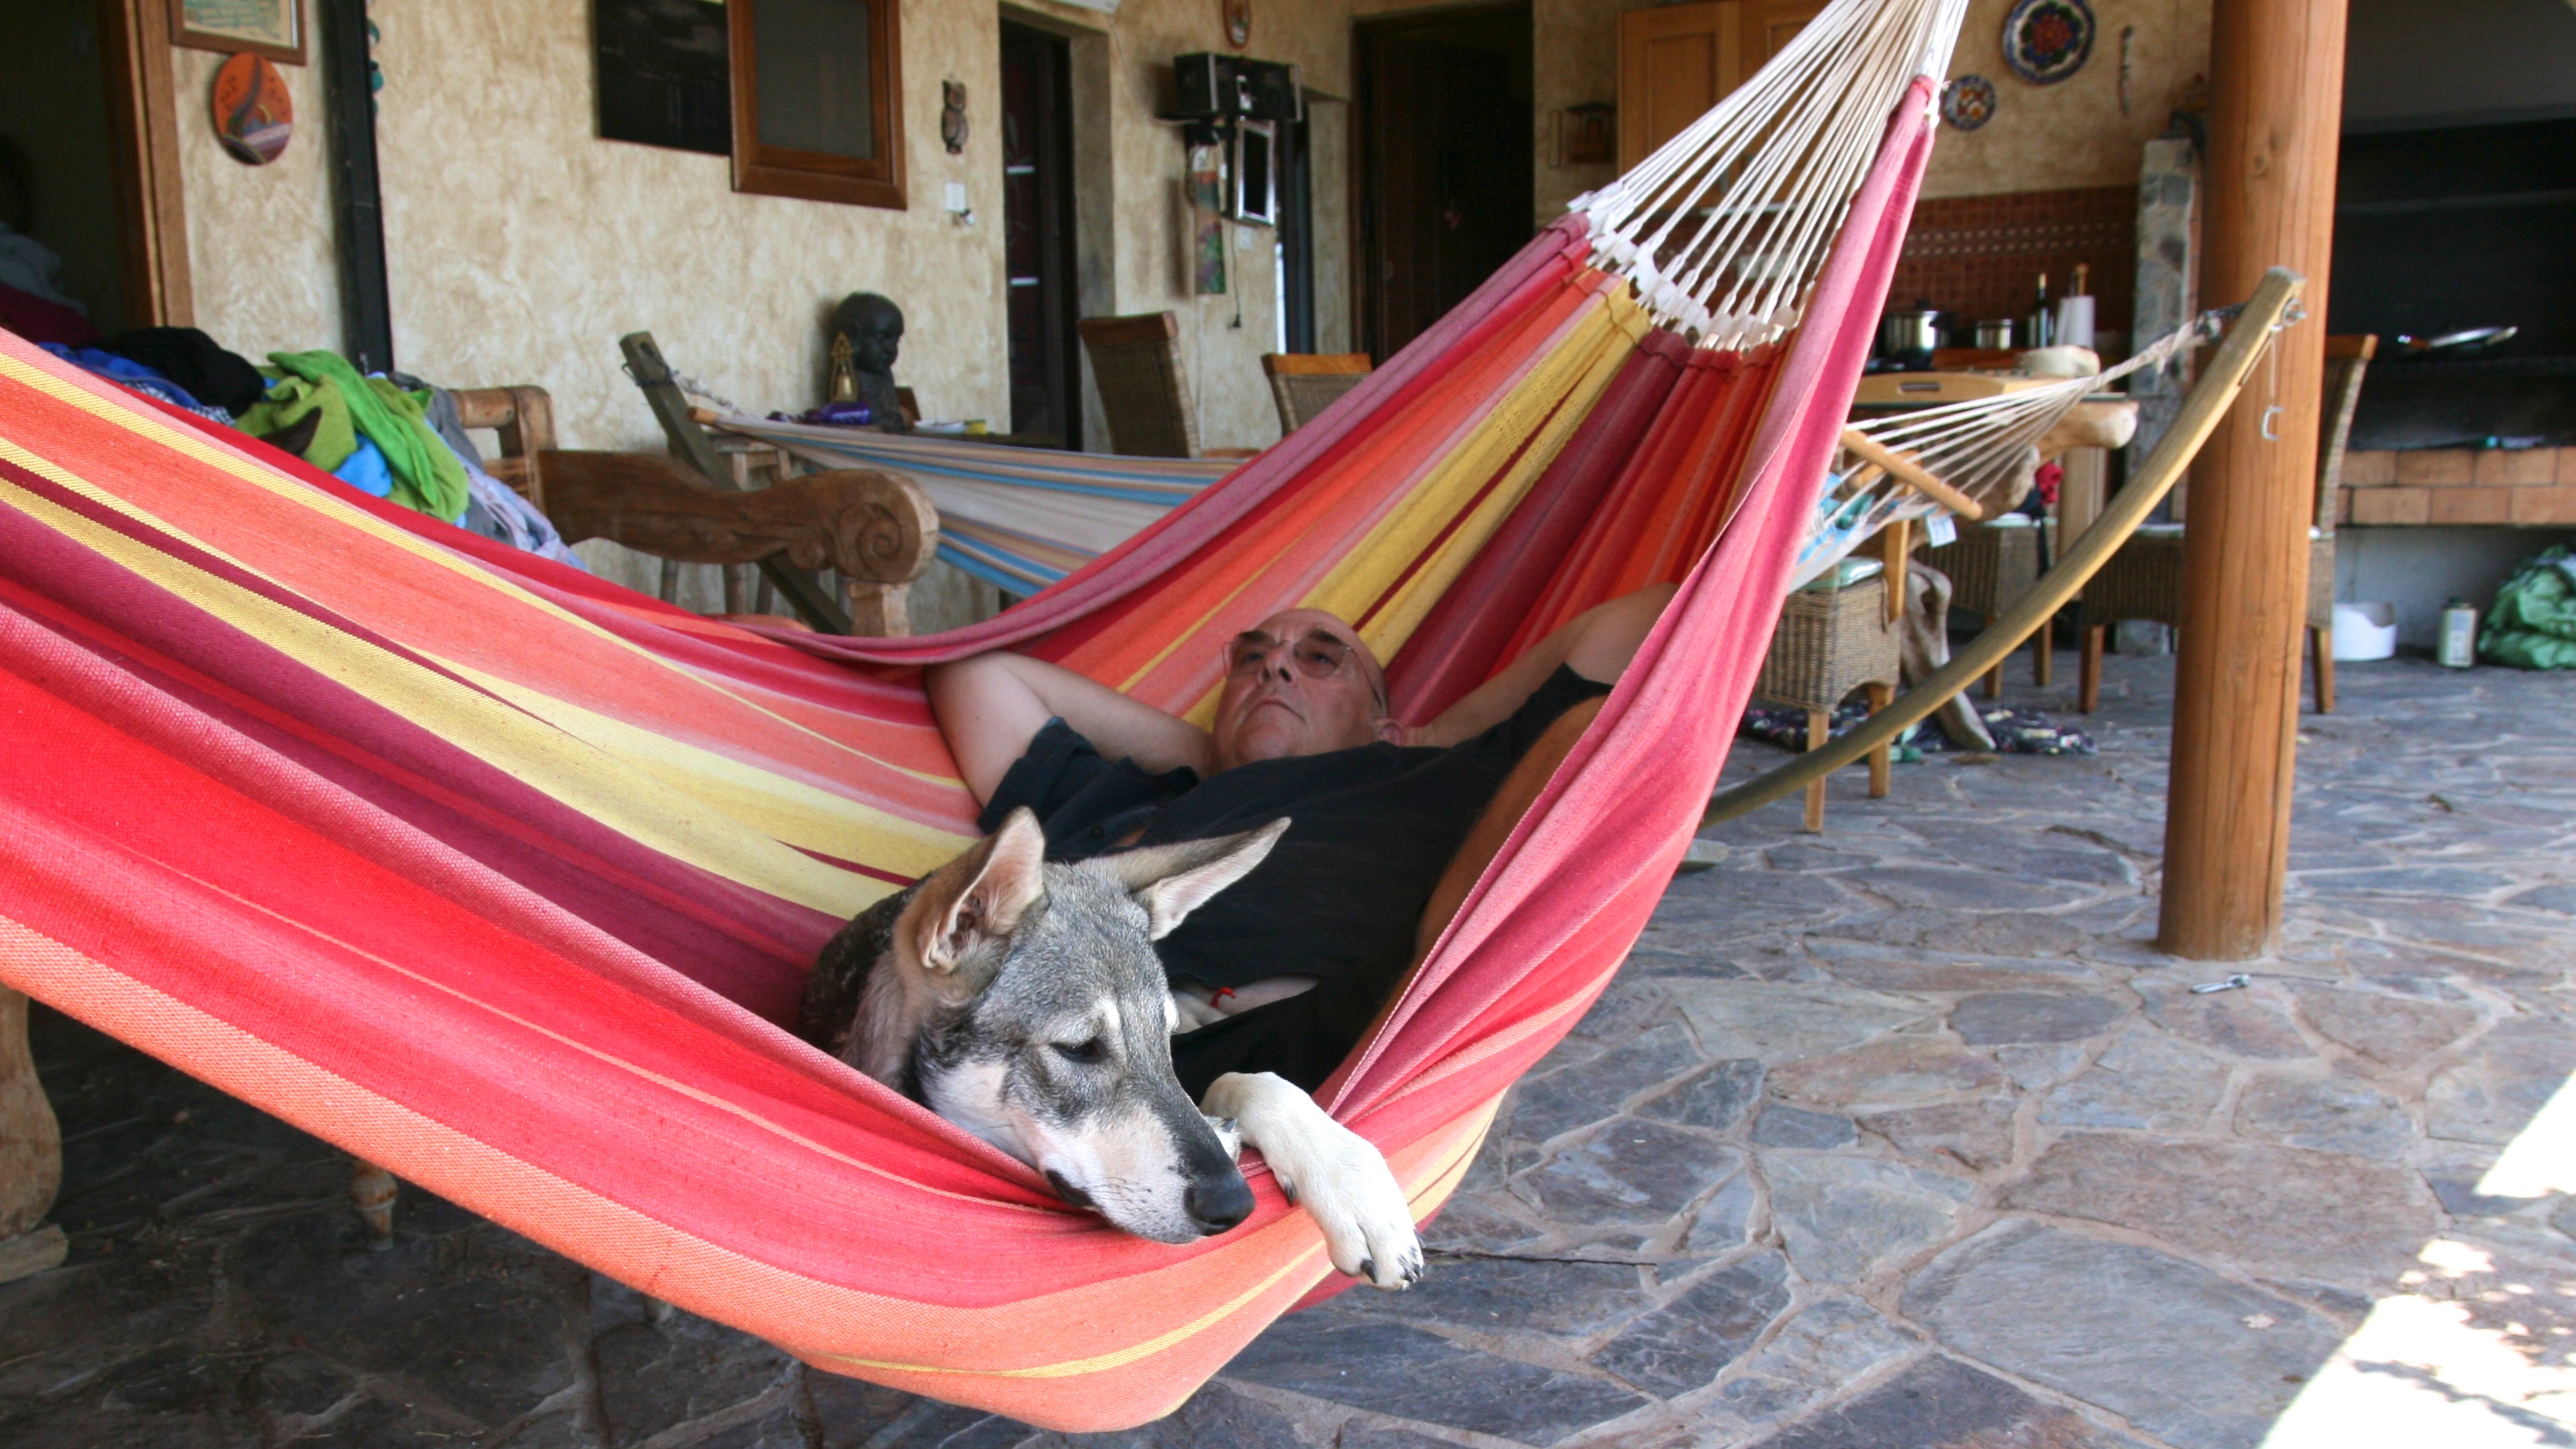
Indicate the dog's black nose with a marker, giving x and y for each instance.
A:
(1217, 1203)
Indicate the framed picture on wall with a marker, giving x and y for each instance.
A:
(273, 28)
(817, 100)
(663, 74)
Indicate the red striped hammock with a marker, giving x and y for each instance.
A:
(504, 877)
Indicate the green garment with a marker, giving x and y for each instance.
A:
(428, 476)
(290, 400)
(2533, 623)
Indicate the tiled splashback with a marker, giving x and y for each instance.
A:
(1981, 256)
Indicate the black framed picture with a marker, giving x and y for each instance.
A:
(665, 73)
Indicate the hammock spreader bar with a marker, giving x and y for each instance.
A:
(2209, 401)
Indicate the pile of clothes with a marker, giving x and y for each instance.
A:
(2013, 731)
(2533, 623)
(393, 437)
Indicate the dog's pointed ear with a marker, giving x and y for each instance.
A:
(1170, 881)
(978, 897)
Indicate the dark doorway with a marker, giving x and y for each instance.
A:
(1037, 232)
(1444, 178)
(60, 163)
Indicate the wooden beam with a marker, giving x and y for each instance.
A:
(1907, 469)
(143, 122)
(2276, 108)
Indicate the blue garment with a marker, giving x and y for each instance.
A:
(366, 470)
(136, 376)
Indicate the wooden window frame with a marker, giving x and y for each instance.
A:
(814, 175)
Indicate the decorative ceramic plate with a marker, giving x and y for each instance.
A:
(2045, 41)
(252, 113)
(1968, 102)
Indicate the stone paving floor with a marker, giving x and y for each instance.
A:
(1902, 1135)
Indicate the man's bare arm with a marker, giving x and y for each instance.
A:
(1597, 644)
(990, 706)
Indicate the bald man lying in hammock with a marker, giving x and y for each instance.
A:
(1284, 971)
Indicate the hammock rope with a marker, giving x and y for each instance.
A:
(2272, 308)
(504, 878)
(1973, 446)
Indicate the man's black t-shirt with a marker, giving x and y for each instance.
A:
(1339, 897)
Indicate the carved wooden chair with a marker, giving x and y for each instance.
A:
(1144, 388)
(1303, 384)
(2144, 579)
(877, 531)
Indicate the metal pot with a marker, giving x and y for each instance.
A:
(1905, 334)
(2475, 339)
(1995, 336)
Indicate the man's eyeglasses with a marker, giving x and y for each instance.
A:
(1317, 656)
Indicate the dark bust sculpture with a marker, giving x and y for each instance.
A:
(867, 332)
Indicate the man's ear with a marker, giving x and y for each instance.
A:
(1170, 881)
(978, 897)
(1392, 731)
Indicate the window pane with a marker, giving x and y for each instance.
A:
(813, 76)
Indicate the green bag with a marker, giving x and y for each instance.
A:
(2533, 623)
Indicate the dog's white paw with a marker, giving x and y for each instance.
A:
(1329, 1170)
(1368, 1225)
(1228, 1135)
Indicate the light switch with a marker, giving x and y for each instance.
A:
(956, 196)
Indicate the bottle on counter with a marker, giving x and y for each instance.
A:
(2039, 329)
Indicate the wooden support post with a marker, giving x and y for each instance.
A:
(1880, 697)
(2276, 71)
(1820, 728)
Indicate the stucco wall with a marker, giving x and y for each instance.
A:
(2043, 138)
(260, 249)
(2073, 133)
(521, 246)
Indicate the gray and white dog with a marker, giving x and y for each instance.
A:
(1022, 1000)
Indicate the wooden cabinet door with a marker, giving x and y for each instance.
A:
(1768, 24)
(1676, 61)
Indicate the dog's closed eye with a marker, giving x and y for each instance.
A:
(1085, 1052)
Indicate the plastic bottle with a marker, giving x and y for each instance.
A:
(2458, 648)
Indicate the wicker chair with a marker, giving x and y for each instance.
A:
(1144, 389)
(1989, 569)
(1305, 383)
(2144, 579)
(1829, 643)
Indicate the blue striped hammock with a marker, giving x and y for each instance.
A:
(1018, 518)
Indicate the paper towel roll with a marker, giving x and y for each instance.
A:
(2075, 321)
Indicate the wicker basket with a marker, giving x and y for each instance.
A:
(1829, 643)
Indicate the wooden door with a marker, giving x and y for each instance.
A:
(1676, 61)
(1037, 233)
(1445, 188)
